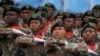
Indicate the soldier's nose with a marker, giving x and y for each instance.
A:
(88, 33)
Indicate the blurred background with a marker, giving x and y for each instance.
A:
(66, 5)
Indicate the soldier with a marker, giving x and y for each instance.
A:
(11, 16)
(58, 32)
(26, 12)
(44, 9)
(44, 18)
(90, 37)
(69, 20)
(32, 48)
(90, 19)
(57, 45)
(51, 10)
(58, 15)
(78, 23)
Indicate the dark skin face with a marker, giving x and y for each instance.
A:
(69, 23)
(78, 22)
(89, 35)
(11, 17)
(58, 18)
(35, 25)
(44, 22)
(59, 32)
(25, 14)
(50, 12)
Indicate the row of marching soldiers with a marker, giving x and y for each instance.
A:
(45, 31)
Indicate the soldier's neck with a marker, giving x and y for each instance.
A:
(70, 30)
(36, 32)
(13, 24)
(91, 42)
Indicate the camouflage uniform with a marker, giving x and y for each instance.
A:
(32, 48)
(60, 47)
(7, 37)
(54, 50)
(97, 41)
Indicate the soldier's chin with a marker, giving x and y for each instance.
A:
(88, 40)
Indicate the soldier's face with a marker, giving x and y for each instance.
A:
(44, 21)
(59, 32)
(58, 18)
(35, 25)
(11, 17)
(50, 12)
(25, 14)
(78, 22)
(89, 34)
(69, 23)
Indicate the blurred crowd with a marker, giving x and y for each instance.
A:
(46, 31)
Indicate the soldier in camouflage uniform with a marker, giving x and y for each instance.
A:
(32, 48)
(90, 37)
(69, 20)
(44, 24)
(92, 20)
(51, 11)
(58, 46)
(11, 16)
(78, 23)
(26, 12)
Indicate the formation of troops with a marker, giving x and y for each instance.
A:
(46, 31)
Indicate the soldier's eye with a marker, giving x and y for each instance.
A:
(84, 32)
(60, 28)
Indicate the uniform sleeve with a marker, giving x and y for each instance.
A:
(77, 48)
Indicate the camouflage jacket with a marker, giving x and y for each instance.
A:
(8, 45)
(55, 48)
(69, 48)
(33, 49)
